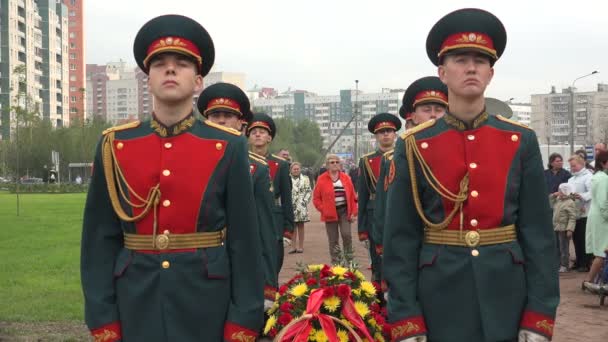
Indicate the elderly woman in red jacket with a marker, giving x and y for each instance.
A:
(334, 197)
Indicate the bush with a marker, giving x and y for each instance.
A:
(47, 188)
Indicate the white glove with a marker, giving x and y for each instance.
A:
(286, 242)
(421, 338)
(386, 296)
(365, 243)
(528, 336)
(268, 304)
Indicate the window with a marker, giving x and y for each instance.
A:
(72, 66)
(73, 99)
(72, 45)
(72, 34)
(73, 2)
(72, 56)
(73, 110)
(72, 13)
(72, 88)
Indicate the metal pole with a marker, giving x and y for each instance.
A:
(572, 117)
(356, 150)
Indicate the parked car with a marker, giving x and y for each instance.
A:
(32, 180)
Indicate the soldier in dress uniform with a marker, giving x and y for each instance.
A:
(261, 131)
(425, 99)
(469, 253)
(384, 127)
(227, 105)
(170, 243)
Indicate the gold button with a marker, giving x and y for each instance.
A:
(166, 172)
(168, 145)
(473, 166)
(218, 146)
(120, 145)
(166, 203)
(166, 264)
(474, 193)
(514, 137)
(475, 253)
(424, 145)
(474, 223)
(471, 137)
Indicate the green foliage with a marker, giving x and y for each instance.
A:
(40, 278)
(302, 139)
(62, 188)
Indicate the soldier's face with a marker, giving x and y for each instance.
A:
(259, 137)
(386, 137)
(428, 111)
(225, 119)
(467, 74)
(173, 78)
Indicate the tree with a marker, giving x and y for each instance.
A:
(301, 138)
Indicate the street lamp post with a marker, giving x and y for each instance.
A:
(356, 149)
(572, 117)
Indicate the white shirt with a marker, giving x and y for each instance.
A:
(582, 185)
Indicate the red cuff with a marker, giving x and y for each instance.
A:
(108, 333)
(379, 249)
(288, 234)
(413, 326)
(363, 236)
(538, 323)
(270, 293)
(237, 333)
(383, 286)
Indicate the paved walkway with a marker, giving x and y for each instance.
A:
(579, 317)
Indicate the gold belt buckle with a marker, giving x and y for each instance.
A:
(472, 238)
(162, 241)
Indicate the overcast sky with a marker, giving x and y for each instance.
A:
(324, 45)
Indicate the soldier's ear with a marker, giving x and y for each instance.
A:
(198, 83)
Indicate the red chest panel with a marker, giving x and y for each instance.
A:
(374, 164)
(274, 168)
(487, 154)
(182, 165)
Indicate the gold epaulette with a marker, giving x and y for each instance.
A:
(502, 118)
(418, 128)
(279, 158)
(123, 127)
(223, 128)
(258, 158)
(368, 154)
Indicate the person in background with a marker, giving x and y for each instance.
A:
(300, 195)
(597, 222)
(284, 153)
(583, 154)
(334, 197)
(564, 221)
(581, 180)
(597, 149)
(555, 174)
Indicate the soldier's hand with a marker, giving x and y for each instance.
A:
(365, 243)
(569, 234)
(268, 304)
(528, 336)
(416, 339)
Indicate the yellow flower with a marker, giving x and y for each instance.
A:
(299, 290)
(362, 308)
(342, 335)
(339, 270)
(314, 268)
(357, 292)
(359, 275)
(272, 320)
(331, 304)
(368, 288)
(274, 308)
(320, 336)
(311, 335)
(378, 337)
(372, 322)
(347, 322)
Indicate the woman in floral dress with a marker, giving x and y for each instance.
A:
(300, 195)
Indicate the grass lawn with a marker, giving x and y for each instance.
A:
(40, 277)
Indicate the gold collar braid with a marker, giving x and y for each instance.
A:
(115, 178)
(412, 151)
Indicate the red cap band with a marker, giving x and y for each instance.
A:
(223, 102)
(384, 125)
(474, 40)
(174, 44)
(430, 96)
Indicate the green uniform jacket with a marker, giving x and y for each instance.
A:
(263, 194)
(205, 294)
(453, 293)
(283, 209)
(369, 171)
(381, 193)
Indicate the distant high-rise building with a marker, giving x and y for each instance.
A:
(34, 33)
(76, 48)
(96, 90)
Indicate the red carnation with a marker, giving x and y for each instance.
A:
(311, 282)
(343, 290)
(285, 319)
(286, 307)
(350, 275)
(326, 272)
(323, 283)
(273, 332)
(375, 307)
(283, 289)
(329, 291)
